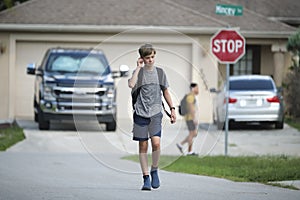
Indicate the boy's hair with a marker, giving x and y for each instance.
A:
(193, 85)
(146, 50)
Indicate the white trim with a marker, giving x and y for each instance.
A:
(102, 28)
(57, 28)
(122, 37)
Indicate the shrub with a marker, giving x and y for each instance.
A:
(292, 83)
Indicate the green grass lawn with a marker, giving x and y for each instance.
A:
(293, 123)
(253, 169)
(10, 136)
(262, 169)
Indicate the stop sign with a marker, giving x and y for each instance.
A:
(228, 46)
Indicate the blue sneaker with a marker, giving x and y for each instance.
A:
(155, 180)
(147, 185)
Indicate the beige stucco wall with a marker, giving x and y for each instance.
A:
(4, 78)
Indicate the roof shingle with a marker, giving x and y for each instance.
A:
(175, 13)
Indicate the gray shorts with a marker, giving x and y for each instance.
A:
(191, 125)
(145, 128)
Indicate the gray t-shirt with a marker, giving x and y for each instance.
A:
(149, 101)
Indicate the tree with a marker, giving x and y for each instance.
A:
(292, 86)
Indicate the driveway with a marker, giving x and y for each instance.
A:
(83, 162)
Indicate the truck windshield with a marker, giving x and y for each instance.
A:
(77, 62)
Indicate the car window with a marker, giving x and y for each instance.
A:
(251, 84)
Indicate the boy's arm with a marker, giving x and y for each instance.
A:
(132, 81)
(168, 99)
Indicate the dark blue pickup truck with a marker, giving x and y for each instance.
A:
(75, 84)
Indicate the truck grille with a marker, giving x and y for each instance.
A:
(83, 98)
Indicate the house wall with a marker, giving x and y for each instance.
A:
(4, 79)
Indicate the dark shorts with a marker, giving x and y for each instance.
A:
(145, 128)
(191, 125)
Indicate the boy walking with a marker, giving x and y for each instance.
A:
(191, 119)
(148, 115)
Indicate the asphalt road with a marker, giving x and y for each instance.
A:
(84, 162)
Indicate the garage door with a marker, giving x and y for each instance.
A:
(174, 58)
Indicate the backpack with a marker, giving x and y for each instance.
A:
(135, 93)
(183, 110)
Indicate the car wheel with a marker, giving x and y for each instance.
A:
(43, 124)
(111, 126)
(279, 125)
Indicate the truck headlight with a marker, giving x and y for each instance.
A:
(110, 92)
(48, 96)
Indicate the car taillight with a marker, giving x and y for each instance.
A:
(274, 99)
(230, 100)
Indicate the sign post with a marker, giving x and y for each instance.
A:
(228, 46)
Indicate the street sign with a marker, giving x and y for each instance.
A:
(229, 10)
(227, 45)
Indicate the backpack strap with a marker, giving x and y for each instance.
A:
(160, 77)
(162, 87)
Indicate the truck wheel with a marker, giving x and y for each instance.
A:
(43, 124)
(111, 126)
(36, 116)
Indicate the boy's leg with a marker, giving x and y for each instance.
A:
(187, 138)
(143, 149)
(155, 140)
(192, 135)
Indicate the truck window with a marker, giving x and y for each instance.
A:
(65, 63)
(92, 64)
(77, 62)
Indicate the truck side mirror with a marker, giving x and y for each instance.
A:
(124, 70)
(31, 68)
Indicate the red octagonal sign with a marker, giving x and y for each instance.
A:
(228, 46)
